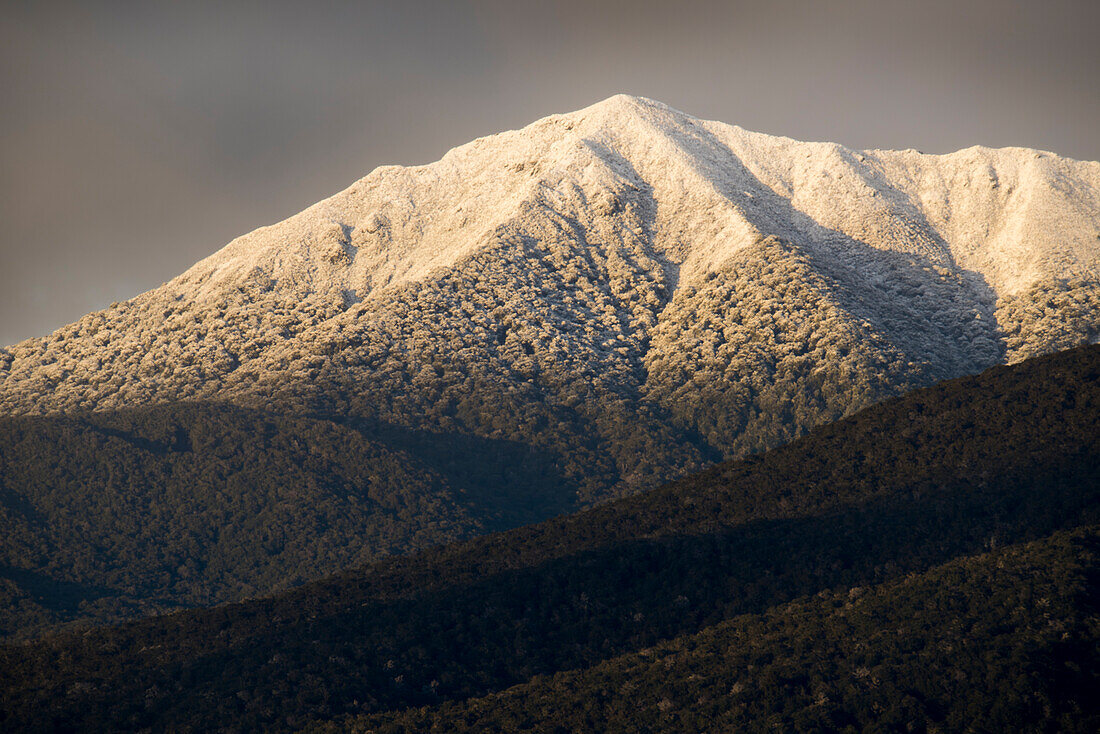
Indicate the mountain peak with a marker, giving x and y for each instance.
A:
(626, 249)
(629, 104)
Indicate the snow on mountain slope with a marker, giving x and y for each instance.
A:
(624, 283)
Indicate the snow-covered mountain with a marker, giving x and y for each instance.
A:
(625, 284)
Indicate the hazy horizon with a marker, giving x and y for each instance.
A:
(139, 138)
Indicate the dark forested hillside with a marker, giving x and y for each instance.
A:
(113, 515)
(1005, 457)
(1005, 641)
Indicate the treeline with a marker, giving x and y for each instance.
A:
(955, 470)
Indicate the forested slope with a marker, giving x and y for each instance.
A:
(1005, 457)
(114, 515)
(1008, 640)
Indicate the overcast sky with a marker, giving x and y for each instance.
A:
(137, 138)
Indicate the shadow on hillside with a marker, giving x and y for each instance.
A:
(928, 316)
(178, 442)
(574, 611)
(51, 593)
(504, 484)
(450, 639)
(88, 485)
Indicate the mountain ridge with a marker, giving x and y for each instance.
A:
(625, 294)
(713, 189)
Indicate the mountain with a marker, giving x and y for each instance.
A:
(543, 320)
(895, 539)
(623, 282)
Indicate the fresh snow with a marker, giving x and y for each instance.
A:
(626, 254)
(1012, 215)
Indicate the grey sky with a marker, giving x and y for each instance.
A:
(136, 138)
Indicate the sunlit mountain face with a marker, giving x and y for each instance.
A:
(541, 321)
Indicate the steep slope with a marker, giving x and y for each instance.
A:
(1008, 641)
(1000, 458)
(628, 288)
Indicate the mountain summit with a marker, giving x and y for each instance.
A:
(698, 191)
(542, 320)
(633, 290)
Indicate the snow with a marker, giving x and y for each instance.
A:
(1011, 215)
(604, 238)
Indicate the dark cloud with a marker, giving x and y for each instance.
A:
(139, 137)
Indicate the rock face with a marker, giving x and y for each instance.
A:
(629, 289)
